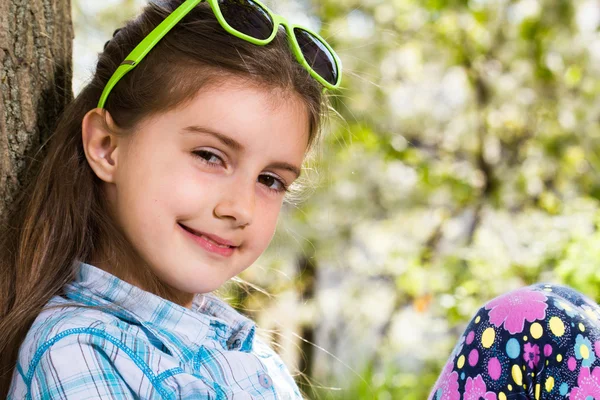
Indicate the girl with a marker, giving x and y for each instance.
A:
(537, 342)
(162, 181)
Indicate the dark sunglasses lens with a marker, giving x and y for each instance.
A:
(317, 55)
(247, 17)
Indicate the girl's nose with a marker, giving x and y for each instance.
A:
(237, 203)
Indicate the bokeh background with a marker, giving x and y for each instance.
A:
(462, 161)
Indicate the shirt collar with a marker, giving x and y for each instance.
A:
(165, 319)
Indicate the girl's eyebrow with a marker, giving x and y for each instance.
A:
(226, 140)
(237, 146)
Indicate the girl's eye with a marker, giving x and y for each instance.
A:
(272, 183)
(270, 180)
(205, 156)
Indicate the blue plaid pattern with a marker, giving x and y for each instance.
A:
(107, 339)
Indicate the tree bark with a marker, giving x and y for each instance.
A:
(36, 38)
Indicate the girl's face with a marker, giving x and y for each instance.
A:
(216, 165)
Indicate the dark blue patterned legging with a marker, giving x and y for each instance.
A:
(538, 342)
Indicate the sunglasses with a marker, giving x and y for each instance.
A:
(253, 22)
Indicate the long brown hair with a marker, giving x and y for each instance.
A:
(61, 216)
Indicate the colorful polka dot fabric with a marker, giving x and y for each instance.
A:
(538, 342)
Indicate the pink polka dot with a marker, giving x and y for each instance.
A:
(572, 363)
(470, 337)
(597, 348)
(547, 350)
(494, 368)
(473, 357)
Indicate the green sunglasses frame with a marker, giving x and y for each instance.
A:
(142, 49)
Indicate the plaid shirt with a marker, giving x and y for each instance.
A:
(144, 347)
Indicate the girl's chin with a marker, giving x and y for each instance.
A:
(191, 285)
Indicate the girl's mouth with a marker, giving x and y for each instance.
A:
(208, 243)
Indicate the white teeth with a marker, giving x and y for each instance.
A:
(215, 243)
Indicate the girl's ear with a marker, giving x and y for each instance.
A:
(100, 143)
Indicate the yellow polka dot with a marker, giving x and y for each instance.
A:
(487, 339)
(524, 386)
(523, 368)
(585, 352)
(477, 319)
(581, 327)
(532, 374)
(537, 391)
(549, 384)
(509, 386)
(546, 362)
(501, 396)
(525, 338)
(557, 326)
(516, 375)
(559, 358)
(461, 362)
(536, 330)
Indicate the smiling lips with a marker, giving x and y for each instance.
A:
(215, 240)
(212, 243)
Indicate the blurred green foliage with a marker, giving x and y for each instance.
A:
(462, 162)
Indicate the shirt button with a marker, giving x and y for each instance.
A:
(237, 343)
(265, 380)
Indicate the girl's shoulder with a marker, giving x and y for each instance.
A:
(62, 322)
(75, 348)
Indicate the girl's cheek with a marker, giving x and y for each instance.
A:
(191, 190)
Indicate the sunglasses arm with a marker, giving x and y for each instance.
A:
(123, 69)
(140, 51)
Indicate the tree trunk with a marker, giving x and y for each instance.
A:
(36, 39)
